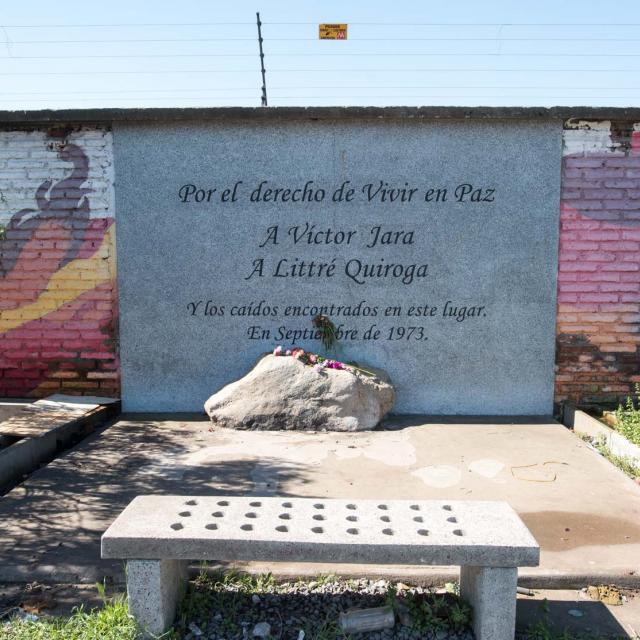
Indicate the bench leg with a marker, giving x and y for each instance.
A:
(491, 591)
(154, 588)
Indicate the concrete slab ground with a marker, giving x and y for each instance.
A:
(583, 511)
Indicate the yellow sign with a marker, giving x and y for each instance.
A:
(333, 32)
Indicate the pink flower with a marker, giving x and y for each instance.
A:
(278, 351)
(288, 352)
(318, 367)
(312, 358)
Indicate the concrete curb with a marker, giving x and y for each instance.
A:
(114, 572)
(582, 422)
(27, 454)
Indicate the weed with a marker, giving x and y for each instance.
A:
(111, 622)
(628, 417)
(625, 464)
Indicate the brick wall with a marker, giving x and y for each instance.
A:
(598, 325)
(58, 304)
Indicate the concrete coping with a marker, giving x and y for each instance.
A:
(267, 114)
(230, 528)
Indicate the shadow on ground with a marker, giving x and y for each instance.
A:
(53, 522)
(587, 617)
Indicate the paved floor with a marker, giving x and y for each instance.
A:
(584, 512)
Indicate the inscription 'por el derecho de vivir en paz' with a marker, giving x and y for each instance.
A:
(356, 260)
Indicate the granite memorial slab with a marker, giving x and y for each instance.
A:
(432, 246)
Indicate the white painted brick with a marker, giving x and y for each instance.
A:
(28, 158)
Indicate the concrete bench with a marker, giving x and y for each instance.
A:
(158, 535)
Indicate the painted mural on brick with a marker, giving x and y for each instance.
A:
(58, 308)
(598, 329)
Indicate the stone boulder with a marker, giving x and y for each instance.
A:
(281, 392)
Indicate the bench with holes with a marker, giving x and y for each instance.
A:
(159, 535)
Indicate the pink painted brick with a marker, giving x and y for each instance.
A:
(633, 234)
(97, 355)
(63, 334)
(621, 184)
(621, 266)
(599, 276)
(578, 265)
(604, 173)
(622, 161)
(622, 308)
(567, 287)
(584, 205)
(598, 234)
(630, 297)
(632, 173)
(603, 194)
(620, 245)
(633, 193)
(575, 162)
(583, 245)
(567, 297)
(580, 224)
(597, 256)
(599, 297)
(619, 286)
(621, 204)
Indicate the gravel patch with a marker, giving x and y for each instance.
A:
(237, 607)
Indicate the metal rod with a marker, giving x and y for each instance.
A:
(264, 80)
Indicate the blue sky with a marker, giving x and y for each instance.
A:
(92, 54)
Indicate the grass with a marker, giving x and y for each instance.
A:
(628, 418)
(111, 622)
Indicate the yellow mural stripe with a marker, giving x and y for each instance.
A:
(66, 284)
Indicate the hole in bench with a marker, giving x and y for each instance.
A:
(352, 507)
(251, 514)
(247, 527)
(255, 504)
(285, 516)
(353, 532)
(212, 527)
(415, 507)
(383, 507)
(319, 516)
(317, 530)
(287, 505)
(387, 532)
(223, 503)
(184, 514)
(447, 507)
(385, 518)
(318, 506)
(423, 532)
(418, 519)
(176, 526)
(217, 514)
(458, 532)
(452, 519)
(352, 518)
(282, 529)
(191, 503)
